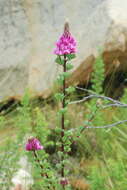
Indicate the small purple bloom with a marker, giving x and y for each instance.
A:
(64, 181)
(33, 144)
(66, 44)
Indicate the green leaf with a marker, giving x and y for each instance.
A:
(59, 60)
(59, 96)
(60, 153)
(70, 89)
(71, 56)
(65, 74)
(60, 79)
(62, 111)
(69, 66)
(58, 166)
(67, 149)
(58, 130)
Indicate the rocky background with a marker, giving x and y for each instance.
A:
(30, 28)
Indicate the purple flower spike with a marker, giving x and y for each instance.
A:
(64, 181)
(66, 44)
(33, 144)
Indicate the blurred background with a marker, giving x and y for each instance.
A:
(29, 30)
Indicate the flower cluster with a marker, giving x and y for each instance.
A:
(64, 181)
(66, 44)
(33, 144)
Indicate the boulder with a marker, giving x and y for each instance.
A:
(29, 30)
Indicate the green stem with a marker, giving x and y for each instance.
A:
(40, 165)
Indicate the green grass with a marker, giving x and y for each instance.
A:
(101, 156)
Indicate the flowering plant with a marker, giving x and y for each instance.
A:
(33, 144)
(65, 51)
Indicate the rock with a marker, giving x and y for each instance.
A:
(29, 30)
(82, 73)
(22, 179)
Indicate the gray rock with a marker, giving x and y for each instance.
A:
(29, 30)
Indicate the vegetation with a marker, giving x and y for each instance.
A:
(97, 157)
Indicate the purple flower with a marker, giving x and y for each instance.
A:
(64, 181)
(66, 44)
(33, 144)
